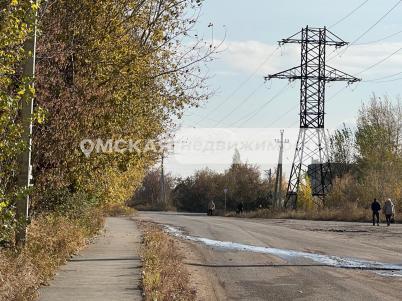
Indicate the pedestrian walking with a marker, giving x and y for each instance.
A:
(240, 208)
(376, 207)
(211, 207)
(389, 210)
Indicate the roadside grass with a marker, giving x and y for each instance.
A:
(118, 209)
(351, 214)
(164, 274)
(52, 239)
(154, 207)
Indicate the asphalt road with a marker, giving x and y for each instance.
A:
(233, 274)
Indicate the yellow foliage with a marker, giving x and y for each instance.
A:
(305, 198)
(52, 240)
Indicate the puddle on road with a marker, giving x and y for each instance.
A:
(383, 269)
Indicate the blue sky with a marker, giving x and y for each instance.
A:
(252, 29)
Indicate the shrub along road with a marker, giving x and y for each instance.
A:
(316, 271)
(109, 269)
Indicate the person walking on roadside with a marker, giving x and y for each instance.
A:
(211, 207)
(376, 207)
(240, 208)
(389, 210)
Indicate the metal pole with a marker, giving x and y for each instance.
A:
(225, 204)
(162, 196)
(278, 179)
(24, 169)
(280, 172)
(225, 191)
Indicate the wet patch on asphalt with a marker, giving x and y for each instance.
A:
(383, 269)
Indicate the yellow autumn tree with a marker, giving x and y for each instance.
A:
(112, 69)
(305, 198)
(15, 26)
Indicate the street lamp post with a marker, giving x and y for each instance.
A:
(225, 191)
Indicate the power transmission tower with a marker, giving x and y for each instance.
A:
(278, 179)
(314, 74)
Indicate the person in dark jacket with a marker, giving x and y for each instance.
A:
(240, 208)
(376, 207)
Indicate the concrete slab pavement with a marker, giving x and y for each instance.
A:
(109, 269)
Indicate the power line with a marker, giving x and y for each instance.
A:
(283, 115)
(362, 71)
(241, 85)
(379, 62)
(349, 14)
(383, 77)
(354, 42)
(255, 112)
(295, 107)
(388, 81)
(199, 115)
(368, 30)
(375, 24)
(339, 91)
(240, 104)
(380, 40)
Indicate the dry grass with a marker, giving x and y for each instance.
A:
(52, 239)
(351, 214)
(164, 275)
(118, 209)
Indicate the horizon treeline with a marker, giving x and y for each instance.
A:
(368, 160)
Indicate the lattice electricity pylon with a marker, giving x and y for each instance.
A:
(311, 155)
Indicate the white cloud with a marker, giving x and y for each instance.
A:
(253, 56)
(360, 57)
(249, 57)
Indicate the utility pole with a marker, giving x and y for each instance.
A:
(313, 74)
(162, 181)
(268, 172)
(225, 191)
(164, 149)
(278, 179)
(24, 169)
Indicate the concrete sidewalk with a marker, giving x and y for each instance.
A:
(109, 269)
